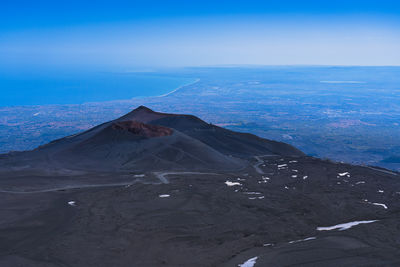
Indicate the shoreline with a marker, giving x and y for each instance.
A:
(178, 88)
(35, 106)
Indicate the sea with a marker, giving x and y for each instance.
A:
(82, 87)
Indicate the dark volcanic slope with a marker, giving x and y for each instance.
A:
(152, 189)
(144, 140)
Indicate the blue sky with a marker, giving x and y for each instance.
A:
(133, 34)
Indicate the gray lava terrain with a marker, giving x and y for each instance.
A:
(154, 189)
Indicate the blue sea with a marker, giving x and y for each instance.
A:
(77, 87)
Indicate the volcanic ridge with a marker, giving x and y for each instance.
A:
(159, 189)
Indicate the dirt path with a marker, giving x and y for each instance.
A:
(160, 175)
(163, 179)
(68, 187)
(379, 170)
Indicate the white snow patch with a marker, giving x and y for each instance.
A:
(139, 175)
(360, 182)
(343, 174)
(295, 170)
(165, 195)
(305, 177)
(37, 113)
(264, 180)
(294, 176)
(229, 183)
(380, 191)
(72, 203)
(302, 240)
(380, 204)
(252, 193)
(344, 226)
(293, 161)
(286, 187)
(256, 197)
(249, 262)
(268, 245)
(282, 165)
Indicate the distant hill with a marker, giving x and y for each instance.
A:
(145, 140)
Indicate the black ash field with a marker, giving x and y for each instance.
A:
(155, 189)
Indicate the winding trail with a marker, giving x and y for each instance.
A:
(67, 187)
(380, 170)
(163, 179)
(159, 175)
(256, 166)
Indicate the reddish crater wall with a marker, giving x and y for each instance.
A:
(141, 129)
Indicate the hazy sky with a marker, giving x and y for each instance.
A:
(133, 34)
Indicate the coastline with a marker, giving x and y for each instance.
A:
(36, 106)
(86, 88)
(178, 88)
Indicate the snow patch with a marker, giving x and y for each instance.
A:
(249, 263)
(72, 203)
(165, 195)
(264, 180)
(344, 226)
(229, 183)
(380, 204)
(139, 175)
(256, 197)
(343, 174)
(252, 193)
(302, 240)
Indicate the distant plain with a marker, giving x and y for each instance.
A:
(349, 114)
